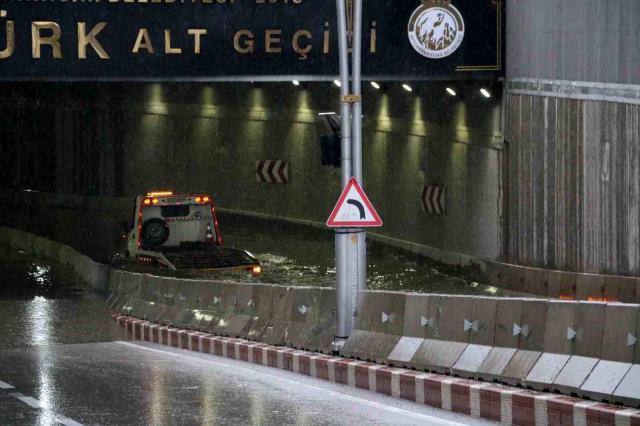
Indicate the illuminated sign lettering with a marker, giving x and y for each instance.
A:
(212, 40)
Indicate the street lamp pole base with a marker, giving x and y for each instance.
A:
(338, 345)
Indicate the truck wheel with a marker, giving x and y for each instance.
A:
(155, 233)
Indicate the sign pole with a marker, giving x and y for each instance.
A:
(344, 308)
(361, 261)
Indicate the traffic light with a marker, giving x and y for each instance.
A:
(330, 150)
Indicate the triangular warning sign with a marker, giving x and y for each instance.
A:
(354, 210)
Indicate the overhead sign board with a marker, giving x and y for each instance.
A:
(210, 40)
(354, 210)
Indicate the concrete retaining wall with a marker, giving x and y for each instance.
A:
(94, 273)
(573, 40)
(572, 121)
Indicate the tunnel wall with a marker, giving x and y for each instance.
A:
(126, 139)
(574, 40)
(572, 127)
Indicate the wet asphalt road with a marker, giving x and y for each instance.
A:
(41, 304)
(63, 361)
(132, 384)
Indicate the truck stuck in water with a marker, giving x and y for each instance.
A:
(182, 232)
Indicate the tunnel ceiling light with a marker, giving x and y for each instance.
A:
(485, 93)
(375, 85)
(451, 91)
(337, 83)
(296, 83)
(406, 87)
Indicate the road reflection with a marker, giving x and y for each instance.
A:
(44, 304)
(38, 320)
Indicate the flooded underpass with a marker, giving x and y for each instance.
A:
(291, 254)
(299, 255)
(63, 361)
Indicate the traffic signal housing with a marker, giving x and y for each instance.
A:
(330, 150)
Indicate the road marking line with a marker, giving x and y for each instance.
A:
(31, 402)
(67, 421)
(34, 403)
(5, 385)
(432, 419)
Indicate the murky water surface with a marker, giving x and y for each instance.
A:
(303, 256)
(42, 304)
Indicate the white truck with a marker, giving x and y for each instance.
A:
(182, 232)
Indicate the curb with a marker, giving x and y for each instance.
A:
(511, 406)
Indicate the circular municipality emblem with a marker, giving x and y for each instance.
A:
(436, 29)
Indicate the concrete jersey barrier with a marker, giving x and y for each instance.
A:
(298, 317)
(582, 348)
(588, 349)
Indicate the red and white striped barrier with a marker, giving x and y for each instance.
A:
(512, 406)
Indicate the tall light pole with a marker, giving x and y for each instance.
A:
(357, 133)
(343, 288)
(350, 243)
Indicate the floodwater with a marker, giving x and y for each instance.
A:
(37, 298)
(303, 256)
(63, 361)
